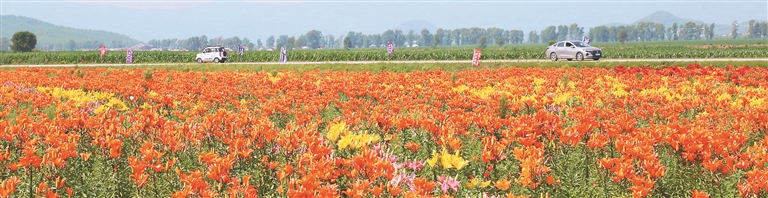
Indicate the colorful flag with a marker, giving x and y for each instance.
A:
(283, 55)
(476, 57)
(103, 50)
(390, 48)
(129, 56)
(240, 49)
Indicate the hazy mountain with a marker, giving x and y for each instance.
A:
(48, 33)
(417, 26)
(666, 18)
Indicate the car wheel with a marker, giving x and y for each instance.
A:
(553, 56)
(199, 60)
(216, 60)
(569, 59)
(596, 59)
(579, 56)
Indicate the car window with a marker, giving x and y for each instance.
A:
(561, 44)
(581, 44)
(568, 45)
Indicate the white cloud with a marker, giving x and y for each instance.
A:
(146, 4)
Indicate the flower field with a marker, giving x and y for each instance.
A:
(688, 131)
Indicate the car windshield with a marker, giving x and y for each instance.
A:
(581, 44)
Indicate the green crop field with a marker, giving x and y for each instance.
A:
(748, 48)
(411, 67)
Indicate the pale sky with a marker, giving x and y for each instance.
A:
(147, 19)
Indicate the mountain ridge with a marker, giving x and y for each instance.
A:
(49, 34)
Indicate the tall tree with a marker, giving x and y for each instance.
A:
(622, 36)
(562, 32)
(204, 40)
(751, 29)
(359, 39)
(23, 41)
(482, 42)
(533, 37)
(250, 46)
(278, 46)
(711, 31)
(289, 43)
(764, 29)
(352, 40)
(426, 38)
(259, 44)
(347, 42)
(270, 41)
(456, 35)
(298, 43)
(331, 41)
(446, 37)
(475, 33)
(376, 40)
(282, 39)
(500, 41)
(699, 30)
(758, 30)
(437, 39)
(399, 38)
(735, 29)
(688, 30)
(575, 31)
(660, 31)
(72, 45)
(493, 33)
(466, 37)
(409, 37)
(640, 31)
(313, 38)
(549, 34)
(674, 31)
(388, 36)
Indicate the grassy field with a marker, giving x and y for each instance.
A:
(748, 48)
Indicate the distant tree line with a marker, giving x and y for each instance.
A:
(314, 39)
(756, 29)
(199, 42)
(441, 37)
(68, 46)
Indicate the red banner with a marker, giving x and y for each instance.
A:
(476, 57)
(103, 50)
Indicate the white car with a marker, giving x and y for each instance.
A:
(212, 54)
(573, 50)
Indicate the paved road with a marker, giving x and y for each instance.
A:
(399, 62)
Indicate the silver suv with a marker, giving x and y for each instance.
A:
(573, 50)
(212, 54)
